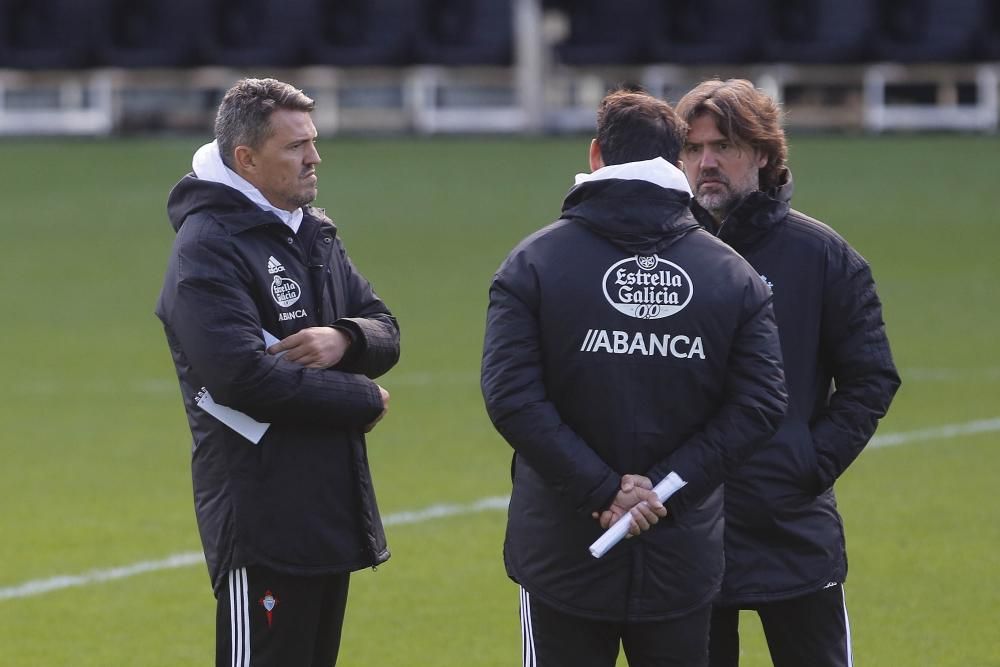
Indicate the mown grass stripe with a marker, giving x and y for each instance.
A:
(431, 513)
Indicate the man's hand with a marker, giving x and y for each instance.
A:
(314, 347)
(385, 408)
(636, 496)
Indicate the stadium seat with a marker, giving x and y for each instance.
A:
(911, 31)
(691, 32)
(818, 31)
(45, 34)
(242, 33)
(988, 43)
(604, 33)
(147, 33)
(464, 32)
(360, 32)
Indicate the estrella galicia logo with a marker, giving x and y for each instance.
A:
(647, 288)
(285, 291)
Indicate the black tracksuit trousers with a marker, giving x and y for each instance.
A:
(551, 638)
(808, 631)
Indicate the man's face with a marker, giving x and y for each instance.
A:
(283, 168)
(721, 172)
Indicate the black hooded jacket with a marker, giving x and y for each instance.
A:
(301, 501)
(784, 536)
(625, 339)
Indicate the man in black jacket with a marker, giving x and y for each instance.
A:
(624, 343)
(275, 336)
(785, 554)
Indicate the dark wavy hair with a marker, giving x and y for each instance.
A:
(632, 125)
(244, 117)
(745, 115)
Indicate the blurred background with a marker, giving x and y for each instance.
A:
(100, 67)
(450, 130)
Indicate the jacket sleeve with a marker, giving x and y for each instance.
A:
(856, 351)
(214, 318)
(754, 402)
(514, 391)
(374, 331)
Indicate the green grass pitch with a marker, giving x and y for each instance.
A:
(94, 445)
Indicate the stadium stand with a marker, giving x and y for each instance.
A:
(45, 34)
(147, 33)
(688, 32)
(102, 66)
(249, 33)
(988, 44)
(353, 33)
(603, 33)
(922, 31)
(464, 32)
(818, 31)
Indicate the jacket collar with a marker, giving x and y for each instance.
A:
(642, 207)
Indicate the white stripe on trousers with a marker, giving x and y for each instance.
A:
(239, 618)
(527, 634)
(847, 627)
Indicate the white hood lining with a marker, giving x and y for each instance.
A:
(656, 171)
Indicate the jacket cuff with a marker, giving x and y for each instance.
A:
(376, 347)
(601, 497)
(357, 345)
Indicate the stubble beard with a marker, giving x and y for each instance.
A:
(725, 197)
(305, 197)
(719, 204)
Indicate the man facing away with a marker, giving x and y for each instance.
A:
(284, 517)
(624, 343)
(785, 551)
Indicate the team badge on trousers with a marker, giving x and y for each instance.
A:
(269, 602)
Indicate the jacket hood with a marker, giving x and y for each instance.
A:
(642, 207)
(754, 217)
(192, 195)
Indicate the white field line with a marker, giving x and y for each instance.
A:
(945, 432)
(494, 503)
(166, 386)
(41, 586)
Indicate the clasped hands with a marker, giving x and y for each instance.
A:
(636, 496)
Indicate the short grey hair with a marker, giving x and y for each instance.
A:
(244, 117)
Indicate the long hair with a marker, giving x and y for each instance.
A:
(244, 117)
(634, 125)
(744, 115)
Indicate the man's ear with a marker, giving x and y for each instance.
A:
(244, 159)
(596, 160)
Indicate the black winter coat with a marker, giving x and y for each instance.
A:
(301, 501)
(784, 536)
(625, 339)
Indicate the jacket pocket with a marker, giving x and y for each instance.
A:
(783, 471)
(797, 445)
